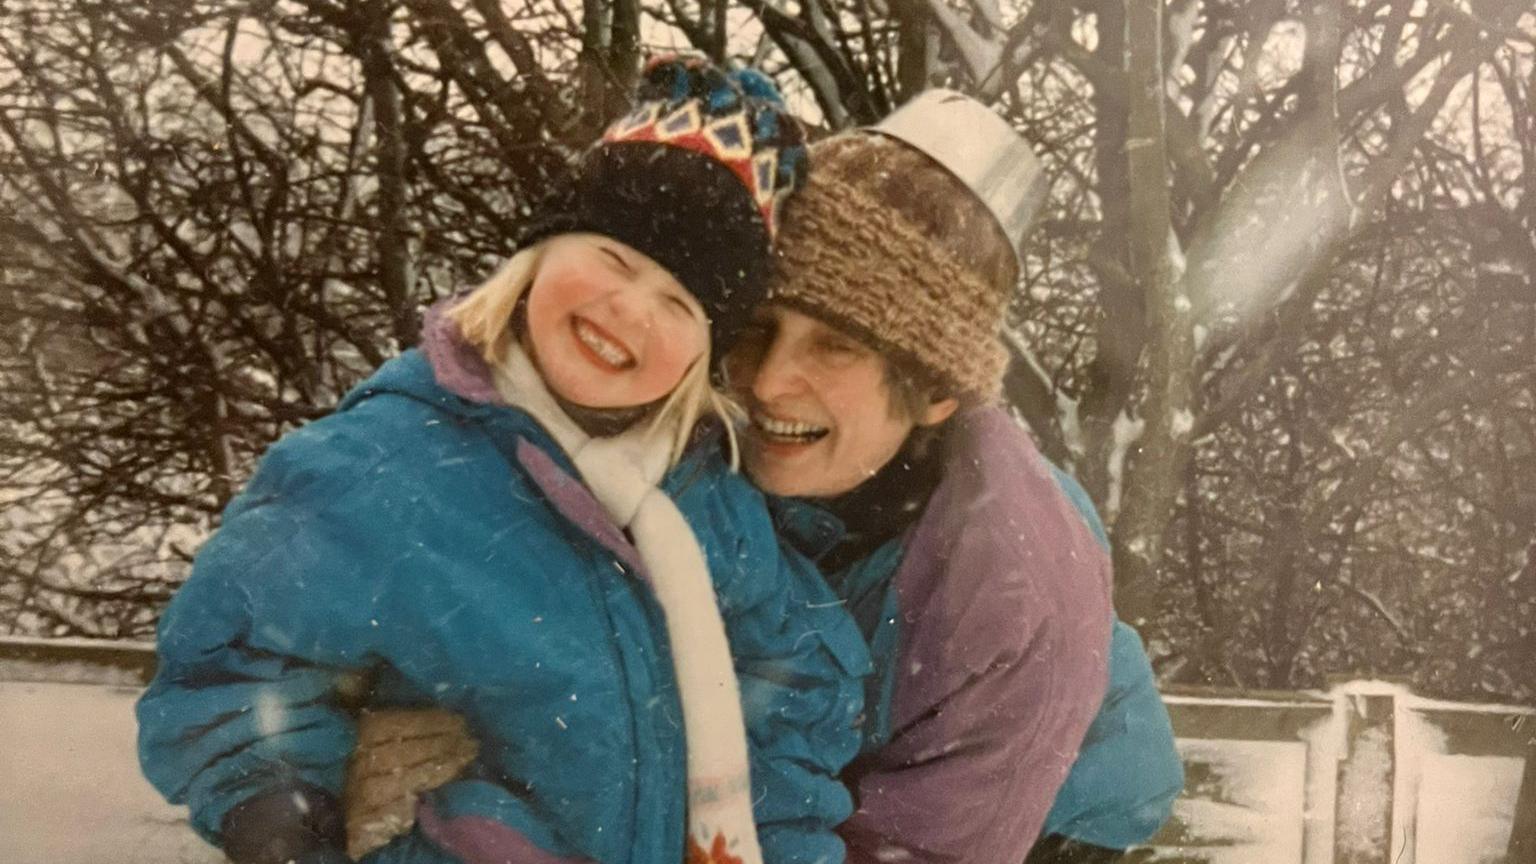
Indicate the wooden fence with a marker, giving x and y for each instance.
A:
(1364, 773)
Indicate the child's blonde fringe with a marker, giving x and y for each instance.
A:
(484, 319)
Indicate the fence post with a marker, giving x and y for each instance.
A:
(1522, 837)
(1363, 808)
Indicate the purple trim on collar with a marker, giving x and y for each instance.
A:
(575, 502)
(456, 364)
(459, 369)
(482, 840)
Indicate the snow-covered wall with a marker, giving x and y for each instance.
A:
(1365, 773)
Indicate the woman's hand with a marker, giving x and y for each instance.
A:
(400, 754)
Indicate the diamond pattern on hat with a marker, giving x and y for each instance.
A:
(685, 120)
(765, 168)
(633, 124)
(771, 211)
(730, 136)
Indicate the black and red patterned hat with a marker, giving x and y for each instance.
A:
(694, 176)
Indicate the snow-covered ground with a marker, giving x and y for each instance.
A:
(70, 788)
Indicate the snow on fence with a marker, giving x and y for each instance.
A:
(1365, 773)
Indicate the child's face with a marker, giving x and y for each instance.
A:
(609, 327)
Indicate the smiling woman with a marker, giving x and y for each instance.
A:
(822, 417)
(975, 569)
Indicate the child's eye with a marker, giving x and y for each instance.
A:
(681, 303)
(618, 260)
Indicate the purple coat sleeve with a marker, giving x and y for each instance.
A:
(1001, 662)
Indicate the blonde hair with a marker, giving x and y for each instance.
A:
(485, 317)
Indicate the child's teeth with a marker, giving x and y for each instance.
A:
(602, 347)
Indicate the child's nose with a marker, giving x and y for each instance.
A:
(631, 308)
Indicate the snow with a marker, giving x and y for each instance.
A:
(1255, 813)
(1279, 801)
(1071, 425)
(1459, 809)
(1127, 432)
(83, 672)
(1480, 791)
(82, 800)
(1365, 784)
(74, 661)
(1182, 422)
(1325, 745)
(1177, 264)
(1415, 739)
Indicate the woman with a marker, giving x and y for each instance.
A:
(975, 569)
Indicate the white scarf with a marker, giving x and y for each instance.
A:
(622, 473)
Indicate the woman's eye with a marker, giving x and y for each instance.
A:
(839, 347)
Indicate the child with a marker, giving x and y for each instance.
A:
(478, 528)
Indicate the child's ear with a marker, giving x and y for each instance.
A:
(938, 412)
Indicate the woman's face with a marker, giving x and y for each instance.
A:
(822, 416)
(608, 326)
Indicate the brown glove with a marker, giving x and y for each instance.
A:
(400, 754)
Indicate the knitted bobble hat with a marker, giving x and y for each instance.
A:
(694, 177)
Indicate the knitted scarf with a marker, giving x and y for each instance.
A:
(622, 472)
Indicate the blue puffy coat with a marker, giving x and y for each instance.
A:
(1122, 787)
(442, 551)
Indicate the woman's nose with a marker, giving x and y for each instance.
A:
(776, 373)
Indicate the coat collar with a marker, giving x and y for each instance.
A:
(449, 374)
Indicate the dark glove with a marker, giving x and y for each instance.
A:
(298, 823)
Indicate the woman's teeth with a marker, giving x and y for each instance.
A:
(611, 351)
(787, 429)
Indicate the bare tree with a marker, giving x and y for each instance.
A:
(1278, 317)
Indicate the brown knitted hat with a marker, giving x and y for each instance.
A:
(854, 260)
